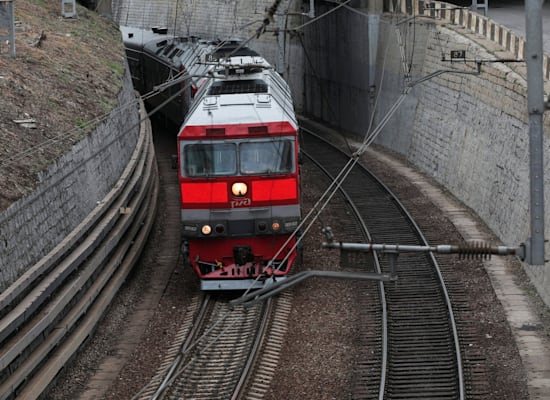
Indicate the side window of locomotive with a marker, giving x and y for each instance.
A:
(209, 159)
(270, 157)
(286, 152)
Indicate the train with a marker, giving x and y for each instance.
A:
(237, 154)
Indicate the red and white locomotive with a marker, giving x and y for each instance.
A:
(239, 176)
(237, 155)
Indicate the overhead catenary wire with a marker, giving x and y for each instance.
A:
(124, 107)
(340, 5)
(369, 138)
(268, 17)
(72, 133)
(321, 204)
(76, 132)
(346, 170)
(338, 180)
(324, 199)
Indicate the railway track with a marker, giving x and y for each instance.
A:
(418, 355)
(222, 351)
(54, 307)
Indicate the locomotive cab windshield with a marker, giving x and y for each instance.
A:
(241, 157)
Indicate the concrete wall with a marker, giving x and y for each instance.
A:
(336, 67)
(470, 132)
(391, 82)
(209, 19)
(68, 190)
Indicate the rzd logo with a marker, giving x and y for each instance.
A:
(240, 203)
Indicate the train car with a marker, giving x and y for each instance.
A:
(156, 57)
(237, 151)
(239, 175)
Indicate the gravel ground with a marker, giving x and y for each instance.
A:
(317, 361)
(491, 336)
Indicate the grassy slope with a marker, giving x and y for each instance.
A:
(70, 76)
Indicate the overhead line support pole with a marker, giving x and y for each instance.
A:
(535, 104)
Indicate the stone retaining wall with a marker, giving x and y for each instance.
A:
(68, 190)
(471, 132)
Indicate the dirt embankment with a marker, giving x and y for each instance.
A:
(66, 73)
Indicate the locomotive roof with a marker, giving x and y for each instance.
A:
(250, 93)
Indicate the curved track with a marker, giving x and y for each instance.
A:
(225, 344)
(53, 308)
(423, 353)
(219, 351)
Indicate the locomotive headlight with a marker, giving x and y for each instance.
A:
(275, 226)
(206, 229)
(239, 189)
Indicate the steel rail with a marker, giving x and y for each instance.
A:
(443, 286)
(218, 353)
(384, 391)
(364, 229)
(172, 370)
(254, 351)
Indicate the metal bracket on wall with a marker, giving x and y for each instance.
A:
(460, 56)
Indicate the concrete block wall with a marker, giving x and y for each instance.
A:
(474, 22)
(470, 133)
(210, 19)
(68, 190)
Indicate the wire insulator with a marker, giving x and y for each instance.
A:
(475, 250)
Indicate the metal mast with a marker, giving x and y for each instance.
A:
(535, 105)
